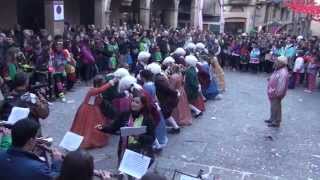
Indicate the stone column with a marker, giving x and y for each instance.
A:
(99, 14)
(107, 18)
(171, 17)
(72, 11)
(251, 18)
(54, 27)
(174, 13)
(194, 15)
(196, 12)
(102, 13)
(145, 13)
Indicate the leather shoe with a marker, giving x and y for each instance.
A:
(198, 115)
(274, 125)
(174, 131)
(268, 121)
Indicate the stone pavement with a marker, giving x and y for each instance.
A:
(230, 141)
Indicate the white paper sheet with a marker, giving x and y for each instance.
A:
(134, 164)
(58, 12)
(1, 96)
(17, 114)
(71, 141)
(132, 131)
(92, 100)
(185, 177)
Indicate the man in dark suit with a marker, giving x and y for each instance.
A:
(18, 162)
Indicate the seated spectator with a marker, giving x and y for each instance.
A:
(19, 162)
(78, 165)
(5, 138)
(21, 97)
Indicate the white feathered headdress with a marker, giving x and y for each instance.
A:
(154, 68)
(121, 72)
(168, 60)
(144, 56)
(191, 60)
(180, 52)
(191, 46)
(126, 83)
(200, 46)
(299, 38)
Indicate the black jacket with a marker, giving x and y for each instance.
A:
(145, 141)
(16, 164)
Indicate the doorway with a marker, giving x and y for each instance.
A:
(234, 27)
(86, 12)
(31, 14)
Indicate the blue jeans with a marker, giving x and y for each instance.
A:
(161, 131)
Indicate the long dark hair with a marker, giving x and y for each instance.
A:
(98, 81)
(145, 100)
(77, 165)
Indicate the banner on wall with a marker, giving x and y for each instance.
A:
(58, 10)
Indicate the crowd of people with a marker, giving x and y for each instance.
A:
(258, 54)
(152, 78)
(159, 79)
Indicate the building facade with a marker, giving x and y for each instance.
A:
(268, 15)
(238, 15)
(37, 14)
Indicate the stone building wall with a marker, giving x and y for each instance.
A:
(262, 13)
(103, 12)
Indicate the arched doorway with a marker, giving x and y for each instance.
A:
(160, 12)
(121, 12)
(184, 16)
(86, 12)
(31, 14)
(235, 25)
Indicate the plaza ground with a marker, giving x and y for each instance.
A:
(230, 141)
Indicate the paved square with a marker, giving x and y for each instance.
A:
(231, 141)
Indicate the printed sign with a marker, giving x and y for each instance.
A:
(58, 12)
